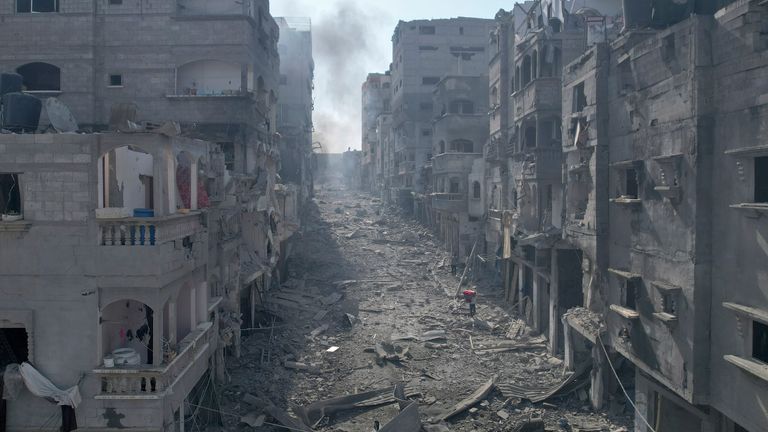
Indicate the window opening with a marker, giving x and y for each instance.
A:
(430, 80)
(761, 179)
(40, 77)
(630, 294)
(579, 98)
(116, 80)
(427, 30)
(631, 183)
(760, 341)
(37, 6)
(10, 194)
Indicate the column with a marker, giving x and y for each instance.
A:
(192, 308)
(597, 390)
(157, 335)
(554, 305)
(568, 354)
(193, 186)
(172, 318)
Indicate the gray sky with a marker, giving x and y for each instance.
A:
(352, 38)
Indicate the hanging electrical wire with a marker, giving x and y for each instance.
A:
(608, 359)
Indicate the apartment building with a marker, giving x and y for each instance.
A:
(377, 100)
(460, 130)
(294, 124)
(168, 214)
(423, 52)
(663, 196)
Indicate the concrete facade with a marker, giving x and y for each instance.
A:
(207, 74)
(460, 130)
(377, 100)
(423, 52)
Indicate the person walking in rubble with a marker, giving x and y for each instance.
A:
(470, 296)
(454, 263)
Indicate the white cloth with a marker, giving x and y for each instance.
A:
(42, 387)
(552, 10)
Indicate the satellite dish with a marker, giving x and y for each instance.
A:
(60, 116)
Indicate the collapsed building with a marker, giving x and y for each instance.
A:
(623, 184)
(156, 223)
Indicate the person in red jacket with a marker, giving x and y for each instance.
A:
(470, 296)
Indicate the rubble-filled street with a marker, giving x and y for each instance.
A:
(370, 303)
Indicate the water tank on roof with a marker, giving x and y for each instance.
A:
(20, 112)
(10, 83)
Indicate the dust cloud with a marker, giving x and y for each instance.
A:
(347, 43)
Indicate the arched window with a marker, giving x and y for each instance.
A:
(495, 95)
(476, 190)
(40, 76)
(526, 70)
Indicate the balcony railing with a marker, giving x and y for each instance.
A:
(542, 93)
(454, 162)
(147, 231)
(451, 202)
(150, 383)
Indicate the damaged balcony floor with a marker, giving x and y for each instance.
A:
(363, 275)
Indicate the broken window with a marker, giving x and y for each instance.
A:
(476, 192)
(427, 30)
(526, 70)
(40, 77)
(10, 194)
(430, 80)
(530, 137)
(115, 80)
(760, 341)
(669, 301)
(579, 98)
(426, 132)
(14, 346)
(228, 148)
(761, 179)
(631, 183)
(630, 294)
(37, 6)
(441, 147)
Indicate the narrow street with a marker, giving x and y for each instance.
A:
(364, 275)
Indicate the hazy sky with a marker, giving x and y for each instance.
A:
(352, 38)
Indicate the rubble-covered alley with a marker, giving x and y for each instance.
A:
(370, 302)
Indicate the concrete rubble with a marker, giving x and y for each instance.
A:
(409, 329)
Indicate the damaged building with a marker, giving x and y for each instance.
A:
(649, 118)
(460, 128)
(424, 52)
(159, 217)
(377, 99)
(622, 187)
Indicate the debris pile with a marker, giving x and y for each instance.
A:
(369, 332)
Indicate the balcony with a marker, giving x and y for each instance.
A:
(147, 382)
(540, 94)
(148, 231)
(150, 251)
(458, 163)
(449, 202)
